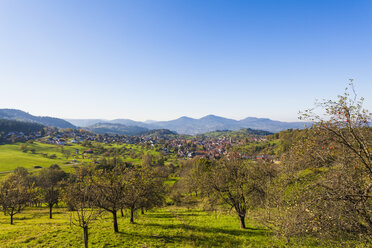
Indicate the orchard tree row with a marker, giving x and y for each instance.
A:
(87, 193)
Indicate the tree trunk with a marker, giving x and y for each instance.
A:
(142, 211)
(242, 222)
(132, 215)
(121, 211)
(86, 236)
(116, 228)
(50, 211)
(11, 219)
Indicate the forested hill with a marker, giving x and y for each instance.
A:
(7, 126)
(19, 115)
(111, 128)
(159, 132)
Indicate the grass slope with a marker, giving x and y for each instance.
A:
(12, 157)
(167, 227)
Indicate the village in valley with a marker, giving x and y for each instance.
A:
(182, 146)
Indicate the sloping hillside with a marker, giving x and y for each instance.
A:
(19, 115)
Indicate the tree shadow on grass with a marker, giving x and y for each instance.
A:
(159, 215)
(234, 232)
(192, 235)
(168, 215)
(191, 239)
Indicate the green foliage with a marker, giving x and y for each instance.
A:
(19, 126)
(48, 180)
(40, 154)
(15, 193)
(114, 128)
(11, 156)
(328, 174)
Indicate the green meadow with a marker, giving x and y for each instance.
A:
(166, 227)
(163, 227)
(40, 154)
(11, 156)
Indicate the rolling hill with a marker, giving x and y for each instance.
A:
(19, 115)
(112, 128)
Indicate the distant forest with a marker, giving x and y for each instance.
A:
(7, 126)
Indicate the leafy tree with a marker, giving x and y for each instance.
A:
(147, 160)
(143, 189)
(192, 173)
(66, 153)
(14, 194)
(330, 168)
(49, 180)
(23, 147)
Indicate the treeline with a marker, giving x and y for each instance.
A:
(90, 191)
(27, 128)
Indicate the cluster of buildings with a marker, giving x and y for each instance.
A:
(182, 146)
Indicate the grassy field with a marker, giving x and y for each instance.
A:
(11, 156)
(167, 227)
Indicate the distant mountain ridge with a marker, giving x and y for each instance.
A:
(182, 125)
(209, 123)
(19, 115)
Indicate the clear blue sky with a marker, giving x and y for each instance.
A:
(165, 59)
